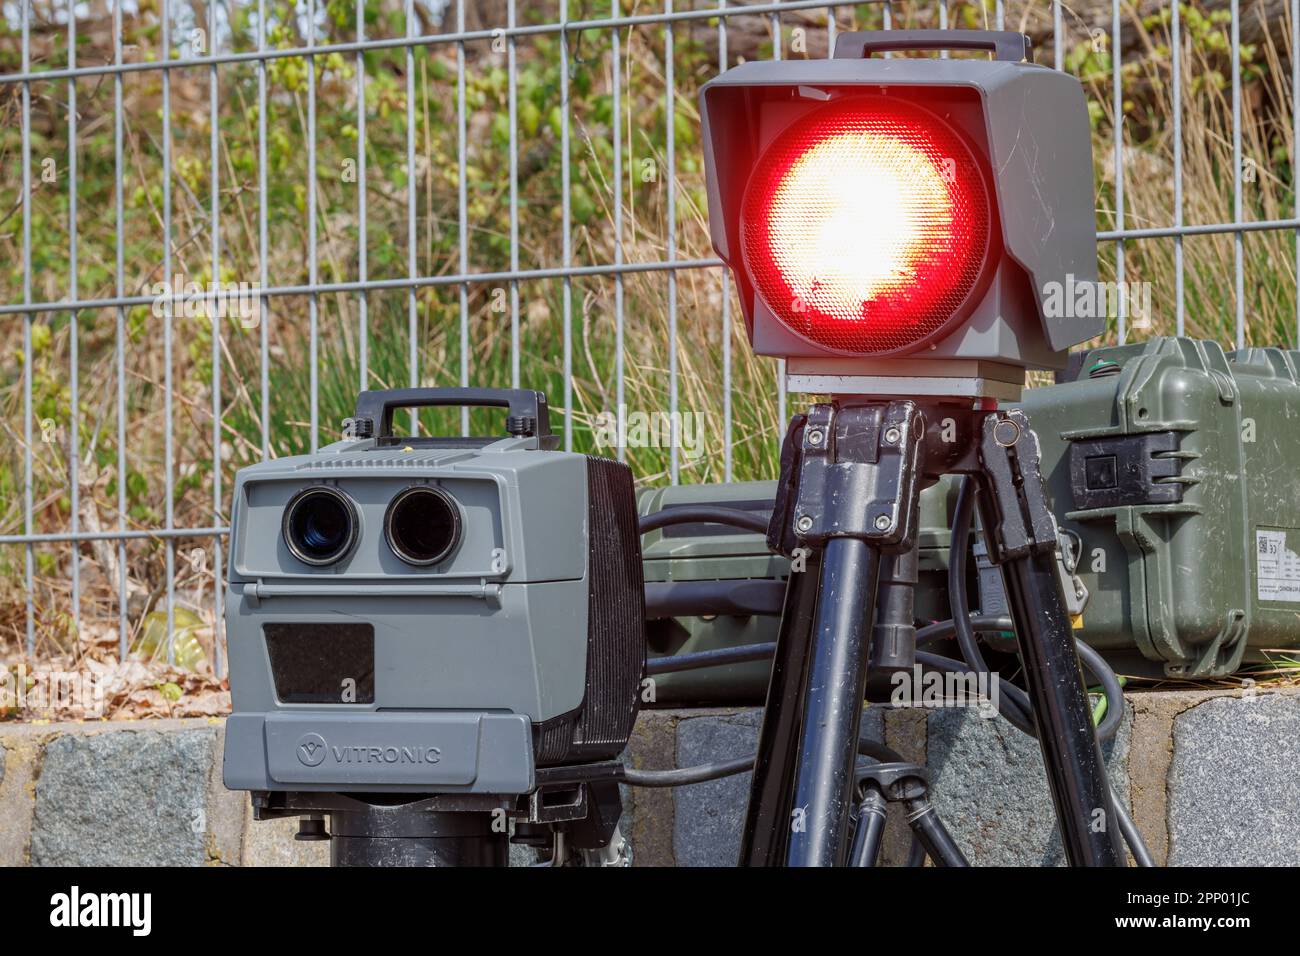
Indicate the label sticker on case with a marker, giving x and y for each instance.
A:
(1277, 567)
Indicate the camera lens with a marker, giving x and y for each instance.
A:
(320, 525)
(422, 525)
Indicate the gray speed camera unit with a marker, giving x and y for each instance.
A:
(430, 616)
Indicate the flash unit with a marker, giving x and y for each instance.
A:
(904, 218)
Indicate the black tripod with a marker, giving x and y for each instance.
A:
(851, 474)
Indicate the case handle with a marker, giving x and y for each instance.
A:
(527, 415)
(1005, 45)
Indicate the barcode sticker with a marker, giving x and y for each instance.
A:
(1277, 568)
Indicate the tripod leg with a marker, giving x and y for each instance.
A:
(833, 703)
(1076, 773)
(929, 829)
(849, 485)
(767, 816)
(871, 829)
(1022, 538)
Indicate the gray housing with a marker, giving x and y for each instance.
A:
(469, 653)
(1032, 123)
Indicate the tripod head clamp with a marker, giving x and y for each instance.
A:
(849, 470)
(853, 469)
(1023, 522)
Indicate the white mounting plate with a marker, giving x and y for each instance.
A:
(904, 386)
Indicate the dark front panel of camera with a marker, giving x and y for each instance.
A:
(322, 663)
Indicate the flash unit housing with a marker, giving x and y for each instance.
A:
(1025, 129)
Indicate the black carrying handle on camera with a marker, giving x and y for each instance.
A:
(527, 415)
(1003, 44)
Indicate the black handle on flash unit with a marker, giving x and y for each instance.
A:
(1003, 44)
(527, 415)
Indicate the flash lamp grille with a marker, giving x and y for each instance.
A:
(865, 226)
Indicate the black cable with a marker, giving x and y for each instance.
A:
(1132, 836)
(739, 654)
(726, 768)
(1018, 712)
(687, 775)
(958, 600)
(1103, 674)
(1096, 666)
(1013, 703)
(1092, 661)
(878, 751)
(942, 630)
(734, 597)
(709, 514)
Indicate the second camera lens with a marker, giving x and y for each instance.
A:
(422, 525)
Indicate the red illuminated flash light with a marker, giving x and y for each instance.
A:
(865, 226)
(904, 217)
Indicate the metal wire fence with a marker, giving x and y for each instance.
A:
(380, 69)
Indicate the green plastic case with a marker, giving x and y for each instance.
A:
(1178, 468)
